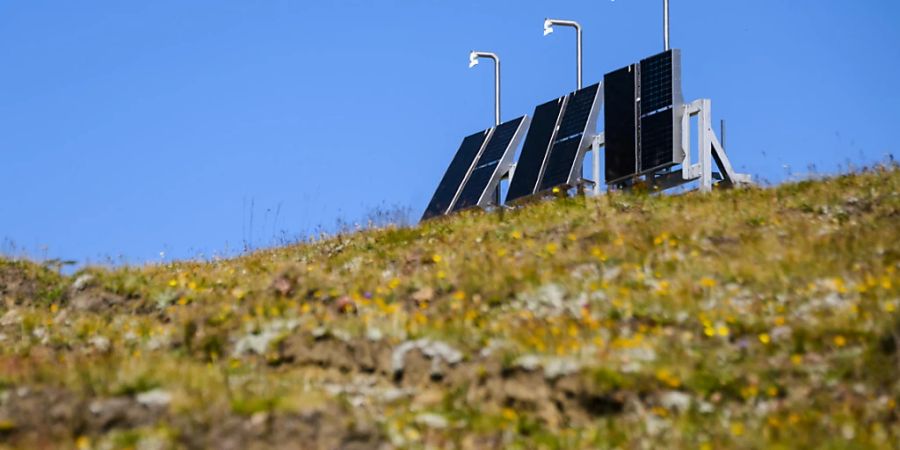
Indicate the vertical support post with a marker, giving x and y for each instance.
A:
(595, 169)
(722, 132)
(705, 145)
(666, 24)
(686, 141)
(578, 49)
(497, 91)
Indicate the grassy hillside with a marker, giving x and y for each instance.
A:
(739, 319)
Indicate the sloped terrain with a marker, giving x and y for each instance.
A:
(740, 319)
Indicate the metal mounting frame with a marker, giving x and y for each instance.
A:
(505, 167)
(709, 149)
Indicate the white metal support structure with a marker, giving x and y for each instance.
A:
(596, 143)
(708, 150)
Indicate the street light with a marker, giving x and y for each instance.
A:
(548, 29)
(473, 61)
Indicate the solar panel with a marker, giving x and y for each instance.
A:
(493, 163)
(456, 174)
(578, 125)
(534, 151)
(642, 124)
(660, 106)
(619, 123)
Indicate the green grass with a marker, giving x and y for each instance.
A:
(758, 318)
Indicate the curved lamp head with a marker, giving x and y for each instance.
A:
(548, 27)
(473, 59)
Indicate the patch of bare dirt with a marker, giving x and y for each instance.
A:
(557, 401)
(16, 285)
(42, 417)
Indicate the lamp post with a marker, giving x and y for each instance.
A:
(666, 24)
(548, 29)
(473, 61)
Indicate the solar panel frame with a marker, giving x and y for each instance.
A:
(492, 164)
(538, 142)
(456, 175)
(577, 127)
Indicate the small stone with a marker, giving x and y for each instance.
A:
(432, 420)
(675, 400)
(155, 397)
(82, 282)
(101, 343)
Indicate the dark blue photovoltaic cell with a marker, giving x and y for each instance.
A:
(455, 175)
(560, 164)
(656, 83)
(619, 123)
(534, 151)
(657, 115)
(568, 139)
(577, 112)
(657, 139)
(487, 164)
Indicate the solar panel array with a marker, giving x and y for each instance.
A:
(475, 171)
(552, 152)
(486, 174)
(642, 134)
(580, 111)
(534, 151)
(456, 174)
(643, 115)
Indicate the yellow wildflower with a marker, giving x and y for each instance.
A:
(516, 234)
(509, 414)
(436, 258)
(707, 282)
(840, 341)
(722, 330)
(82, 443)
(765, 338)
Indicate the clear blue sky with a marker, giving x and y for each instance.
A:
(130, 128)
